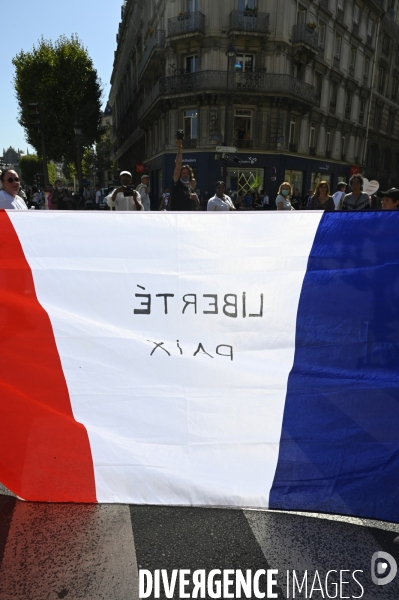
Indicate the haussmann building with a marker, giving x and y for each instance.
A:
(305, 90)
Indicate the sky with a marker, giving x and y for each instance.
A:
(94, 21)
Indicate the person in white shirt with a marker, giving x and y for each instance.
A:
(339, 195)
(220, 201)
(9, 198)
(144, 190)
(117, 199)
(98, 196)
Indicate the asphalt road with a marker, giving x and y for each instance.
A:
(93, 552)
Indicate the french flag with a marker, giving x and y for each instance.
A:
(204, 359)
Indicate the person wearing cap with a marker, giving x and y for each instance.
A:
(339, 195)
(117, 199)
(389, 199)
(144, 190)
(357, 199)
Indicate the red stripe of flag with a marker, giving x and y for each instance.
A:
(44, 453)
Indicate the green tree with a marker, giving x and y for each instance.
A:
(30, 165)
(60, 76)
(97, 160)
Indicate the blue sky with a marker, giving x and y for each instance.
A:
(25, 21)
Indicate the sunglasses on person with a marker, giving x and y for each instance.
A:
(12, 179)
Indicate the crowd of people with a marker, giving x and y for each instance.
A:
(184, 195)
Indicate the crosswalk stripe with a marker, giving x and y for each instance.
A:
(292, 541)
(69, 551)
(195, 538)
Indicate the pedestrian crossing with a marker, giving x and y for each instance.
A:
(95, 552)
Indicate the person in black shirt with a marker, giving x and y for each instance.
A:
(183, 197)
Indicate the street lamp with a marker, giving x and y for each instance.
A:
(231, 53)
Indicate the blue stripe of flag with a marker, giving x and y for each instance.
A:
(339, 448)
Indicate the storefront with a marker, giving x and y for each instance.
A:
(257, 171)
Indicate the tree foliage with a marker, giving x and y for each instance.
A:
(30, 165)
(60, 76)
(97, 160)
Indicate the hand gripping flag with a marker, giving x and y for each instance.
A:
(201, 359)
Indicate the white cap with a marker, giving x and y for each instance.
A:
(145, 176)
(125, 173)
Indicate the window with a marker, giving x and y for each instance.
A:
(337, 46)
(377, 117)
(318, 82)
(370, 28)
(292, 131)
(366, 67)
(353, 58)
(312, 135)
(301, 16)
(356, 13)
(322, 34)
(390, 123)
(394, 88)
(328, 140)
(362, 111)
(242, 127)
(386, 159)
(244, 63)
(191, 6)
(190, 124)
(343, 145)
(348, 105)
(243, 4)
(295, 178)
(381, 81)
(386, 42)
(191, 64)
(340, 4)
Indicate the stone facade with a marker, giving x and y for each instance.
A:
(313, 83)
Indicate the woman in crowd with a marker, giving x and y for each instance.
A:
(321, 199)
(9, 198)
(283, 198)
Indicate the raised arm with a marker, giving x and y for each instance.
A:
(179, 160)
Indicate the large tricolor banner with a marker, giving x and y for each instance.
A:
(203, 359)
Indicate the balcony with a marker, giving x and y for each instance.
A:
(305, 43)
(157, 40)
(186, 24)
(244, 22)
(264, 84)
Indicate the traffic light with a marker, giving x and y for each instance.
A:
(35, 115)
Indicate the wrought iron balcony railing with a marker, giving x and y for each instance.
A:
(189, 22)
(249, 23)
(303, 34)
(157, 40)
(215, 81)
